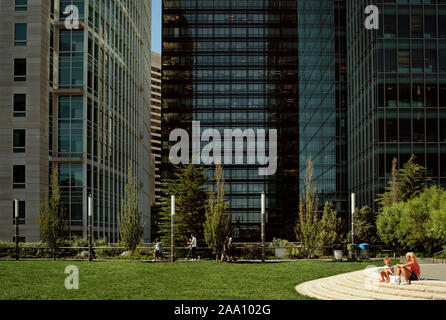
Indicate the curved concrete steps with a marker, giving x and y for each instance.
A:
(365, 285)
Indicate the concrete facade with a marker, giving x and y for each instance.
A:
(113, 130)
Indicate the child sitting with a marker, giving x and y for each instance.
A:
(387, 271)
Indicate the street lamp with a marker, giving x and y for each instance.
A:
(90, 228)
(172, 229)
(16, 216)
(263, 225)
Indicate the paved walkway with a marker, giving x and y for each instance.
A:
(433, 271)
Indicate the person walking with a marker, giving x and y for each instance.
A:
(231, 250)
(192, 247)
(224, 254)
(158, 249)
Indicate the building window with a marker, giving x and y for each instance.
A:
(20, 34)
(18, 177)
(19, 105)
(19, 141)
(21, 212)
(71, 48)
(71, 126)
(19, 69)
(21, 5)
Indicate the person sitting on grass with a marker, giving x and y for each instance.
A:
(387, 271)
(411, 270)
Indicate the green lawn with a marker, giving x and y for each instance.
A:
(165, 281)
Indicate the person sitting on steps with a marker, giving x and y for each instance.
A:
(411, 270)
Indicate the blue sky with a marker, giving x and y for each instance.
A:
(156, 25)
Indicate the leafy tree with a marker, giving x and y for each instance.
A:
(308, 227)
(331, 226)
(130, 218)
(388, 222)
(188, 186)
(217, 224)
(418, 224)
(404, 184)
(53, 222)
(365, 226)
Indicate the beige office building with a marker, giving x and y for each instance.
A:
(77, 98)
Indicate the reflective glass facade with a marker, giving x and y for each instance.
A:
(233, 64)
(322, 98)
(102, 110)
(397, 92)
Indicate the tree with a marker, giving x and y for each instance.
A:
(418, 224)
(393, 192)
(308, 227)
(216, 227)
(53, 222)
(404, 184)
(365, 226)
(188, 186)
(130, 223)
(331, 232)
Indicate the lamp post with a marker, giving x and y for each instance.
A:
(172, 229)
(16, 217)
(263, 225)
(353, 218)
(90, 228)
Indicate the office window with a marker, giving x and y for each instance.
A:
(19, 141)
(22, 215)
(20, 34)
(18, 177)
(19, 106)
(19, 69)
(21, 5)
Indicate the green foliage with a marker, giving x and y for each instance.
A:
(216, 226)
(53, 222)
(365, 226)
(308, 227)
(418, 224)
(290, 253)
(190, 205)
(331, 227)
(404, 184)
(130, 218)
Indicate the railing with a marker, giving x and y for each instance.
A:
(241, 250)
(437, 254)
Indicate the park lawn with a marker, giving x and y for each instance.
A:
(135, 280)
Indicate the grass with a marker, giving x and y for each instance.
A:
(134, 280)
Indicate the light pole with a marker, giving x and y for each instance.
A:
(90, 228)
(172, 229)
(353, 218)
(16, 216)
(263, 225)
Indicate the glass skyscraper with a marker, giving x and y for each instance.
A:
(397, 92)
(233, 64)
(323, 99)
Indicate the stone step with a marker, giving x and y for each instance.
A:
(315, 290)
(423, 283)
(393, 293)
(362, 285)
(342, 286)
(438, 291)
